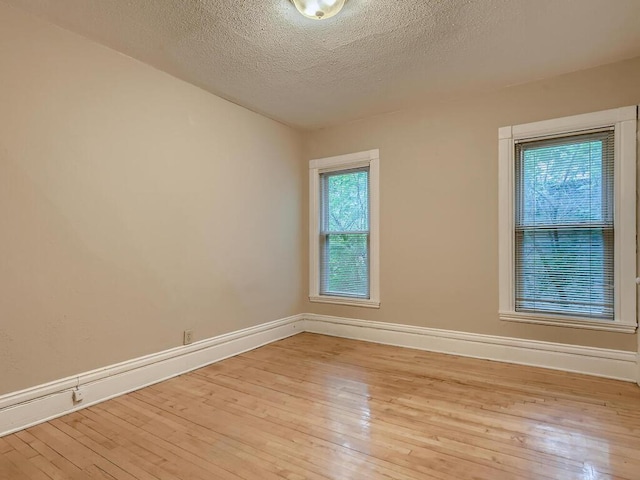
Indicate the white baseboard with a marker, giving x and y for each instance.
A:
(615, 364)
(35, 405)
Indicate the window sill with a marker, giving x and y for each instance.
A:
(572, 322)
(353, 302)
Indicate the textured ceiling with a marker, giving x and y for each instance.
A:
(376, 56)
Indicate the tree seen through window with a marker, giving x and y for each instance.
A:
(564, 225)
(345, 233)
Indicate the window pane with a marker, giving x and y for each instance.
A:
(345, 265)
(566, 271)
(346, 201)
(344, 238)
(561, 182)
(564, 225)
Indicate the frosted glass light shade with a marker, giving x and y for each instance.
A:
(319, 9)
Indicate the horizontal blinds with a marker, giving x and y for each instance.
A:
(344, 233)
(564, 232)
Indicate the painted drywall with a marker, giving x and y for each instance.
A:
(439, 200)
(132, 206)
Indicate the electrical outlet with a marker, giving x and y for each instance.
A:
(187, 337)
(78, 395)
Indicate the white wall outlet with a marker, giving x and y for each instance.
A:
(187, 337)
(78, 395)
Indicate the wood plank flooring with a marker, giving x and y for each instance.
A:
(317, 407)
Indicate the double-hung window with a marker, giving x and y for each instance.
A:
(344, 229)
(567, 221)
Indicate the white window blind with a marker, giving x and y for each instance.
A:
(564, 225)
(344, 233)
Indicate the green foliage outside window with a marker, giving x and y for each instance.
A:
(564, 226)
(345, 233)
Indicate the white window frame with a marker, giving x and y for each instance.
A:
(623, 120)
(371, 159)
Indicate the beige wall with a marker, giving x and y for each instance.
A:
(439, 200)
(132, 206)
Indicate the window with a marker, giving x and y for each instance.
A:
(344, 266)
(567, 221)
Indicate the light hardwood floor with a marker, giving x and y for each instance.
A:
(317, 407)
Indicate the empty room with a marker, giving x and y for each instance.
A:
(319, 239)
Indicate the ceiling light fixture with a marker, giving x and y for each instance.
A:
(319, 9)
